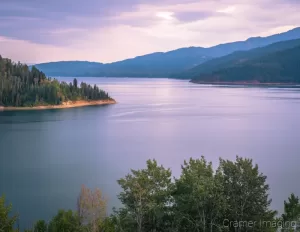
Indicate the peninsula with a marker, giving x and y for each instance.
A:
(24, 88)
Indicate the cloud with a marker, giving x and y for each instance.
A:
(196, 16)
(110, 30)
(165, 15)
(227, 10)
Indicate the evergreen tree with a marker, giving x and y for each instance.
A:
(20, 86)
(75, 83)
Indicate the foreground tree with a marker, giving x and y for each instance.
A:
(91, 207)
(107, 225)
(146, 197)
(66, 221)
(40, 226)
(123, 220)
(291, 215)
(199, 199)
(246, 194)
(7, 221)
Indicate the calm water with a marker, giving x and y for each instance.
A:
(45, 156)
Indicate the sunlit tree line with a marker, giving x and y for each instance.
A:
(201, 199)
(24, 86)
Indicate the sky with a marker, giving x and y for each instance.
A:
(35, 31)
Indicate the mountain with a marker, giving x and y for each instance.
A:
(235, 58)
(69, 68)
(156, 64)
(278, 67)
(253, 42)
(162, 64)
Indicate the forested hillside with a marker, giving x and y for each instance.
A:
(236, 58)
(22, 86)
(278, 67)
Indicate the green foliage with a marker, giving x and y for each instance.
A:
(40, 226)
(123, 220)
(246, 192)
(6, 221)
(291, 212)
(20, 86)
(199, 199)
(107, 225)
(146, 197)
(65, 221)
(291, 209)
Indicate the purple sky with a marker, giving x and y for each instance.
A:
(109, 30)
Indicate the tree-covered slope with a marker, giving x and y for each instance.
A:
(22, 86)
(277, 67)
(236, 58)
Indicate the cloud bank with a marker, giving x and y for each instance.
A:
(108, 30)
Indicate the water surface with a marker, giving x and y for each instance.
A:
(45, 156)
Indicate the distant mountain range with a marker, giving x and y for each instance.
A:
(69, 68)
(171, 64)
(153, 65)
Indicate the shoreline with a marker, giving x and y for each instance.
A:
(249, 84)
(64, 105)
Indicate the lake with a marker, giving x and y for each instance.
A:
(45, 156)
